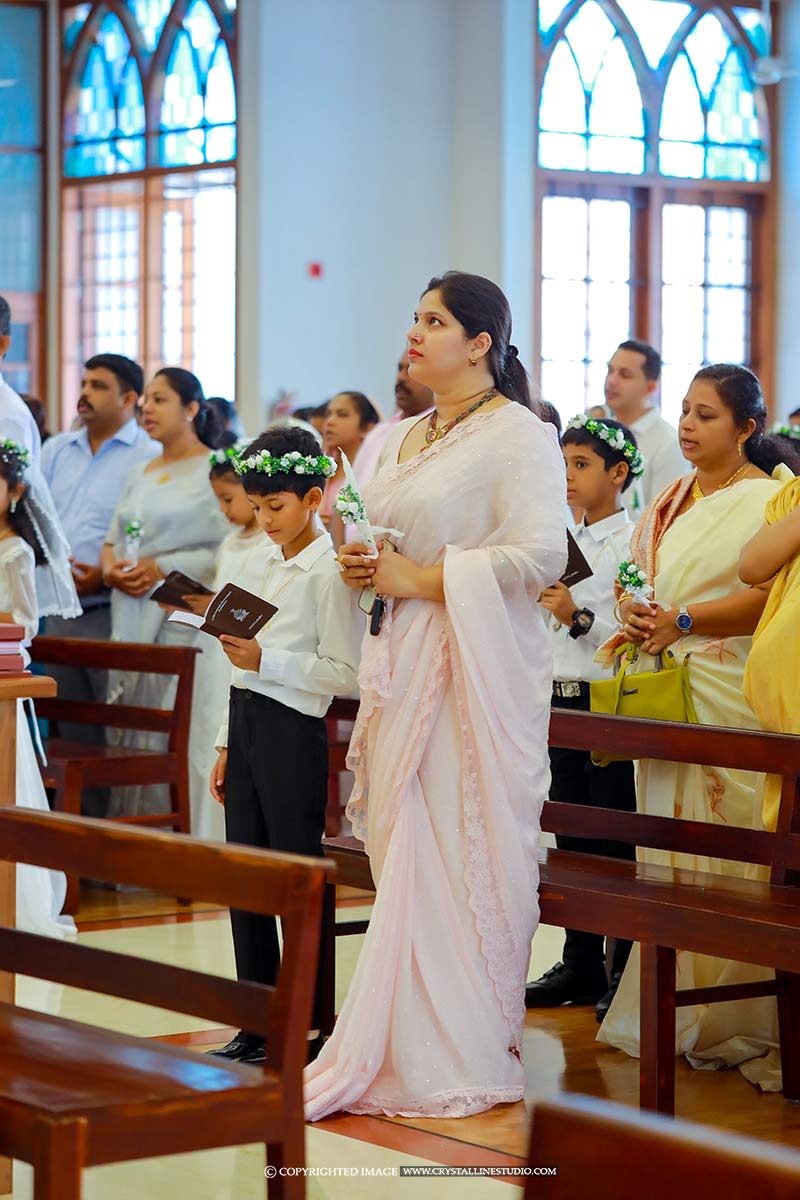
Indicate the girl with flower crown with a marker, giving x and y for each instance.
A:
(40, 892)
(687, 544)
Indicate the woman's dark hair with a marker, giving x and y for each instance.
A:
(13, 471)
(367, 412)
(789, 451)
(550, 414)
(282, 439)
(610, 456)
(207, 423)
(740, 392)
(481, 307)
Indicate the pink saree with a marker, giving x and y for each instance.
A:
(450, 757)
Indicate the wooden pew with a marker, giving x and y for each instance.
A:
(342, 710)
(610, 1152)
(73, 766)
(73, 1095)
(665, 909)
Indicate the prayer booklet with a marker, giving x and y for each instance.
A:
(578, 568)
(232, 610)
(175, 586)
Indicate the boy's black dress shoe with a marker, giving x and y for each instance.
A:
(560, 985)
(239, 1047)
(605, 1002)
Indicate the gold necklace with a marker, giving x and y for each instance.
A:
(434, 433)
(698, 494)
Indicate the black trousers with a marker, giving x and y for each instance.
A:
(576, 780)
(276, 788)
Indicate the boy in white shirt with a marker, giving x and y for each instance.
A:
(272, 770)
(602, 460)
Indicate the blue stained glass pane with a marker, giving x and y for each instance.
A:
(220, 92)
(562, 151)
(734, 162)
(182, 105)
(186, 147)
(707, 46)
(655, 24)
(563, 104)
(733, 117)
(131, 114)
(549, 12)
(21, 222)
(221, 143)
(684, 160)
(74, 20)
(616, 106)
(682, 113)
(590, 34)
(115, 45)
(752, 21)
(203, 30)
(95, 118)
(20, 77)
(150, 17)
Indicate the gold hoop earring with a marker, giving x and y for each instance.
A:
(473, 362)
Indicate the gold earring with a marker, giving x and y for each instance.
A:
(473, 362)
(739, 445)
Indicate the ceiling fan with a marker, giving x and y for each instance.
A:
(769, 68)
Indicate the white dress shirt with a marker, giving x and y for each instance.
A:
(604, 545)
(663, 461)
(312, 646)
(17, 423)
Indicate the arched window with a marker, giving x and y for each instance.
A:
(149, 129)
(653, 156)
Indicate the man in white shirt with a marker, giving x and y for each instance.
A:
(16, 421)
(631, 381)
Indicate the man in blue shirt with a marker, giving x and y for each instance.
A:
(86, 470)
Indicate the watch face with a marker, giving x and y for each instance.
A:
(684, 622)
(584, 620)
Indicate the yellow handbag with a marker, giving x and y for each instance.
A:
(663, 694)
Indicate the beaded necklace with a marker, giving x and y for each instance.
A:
(434, 434)
(698, 494)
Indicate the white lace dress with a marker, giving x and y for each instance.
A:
(40, 892)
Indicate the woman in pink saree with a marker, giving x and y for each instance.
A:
(450, 746)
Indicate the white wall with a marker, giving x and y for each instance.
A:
(345, 152)
(787, 396)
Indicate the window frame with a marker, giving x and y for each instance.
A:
(151, 176)
(652, 190)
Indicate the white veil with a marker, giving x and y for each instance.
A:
(55, 587)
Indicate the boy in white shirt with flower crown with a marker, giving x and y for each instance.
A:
(272, 770)
(602, 461)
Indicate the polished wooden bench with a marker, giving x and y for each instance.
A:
(342, 711)
(74, 766)
(73, 1095)
(663, 908)
(610, 1152)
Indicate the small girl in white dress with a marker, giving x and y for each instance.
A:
(40, 892)
(242, 560)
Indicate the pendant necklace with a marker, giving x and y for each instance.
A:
(435, 432)
(697, 494)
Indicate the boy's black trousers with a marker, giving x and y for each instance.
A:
(576, 780)
(276, 787)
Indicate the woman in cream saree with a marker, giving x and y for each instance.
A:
(450, 758)
(691, 554)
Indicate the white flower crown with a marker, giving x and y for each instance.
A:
(614, 438)
(293, 463)
(11, 451)
(229, 454)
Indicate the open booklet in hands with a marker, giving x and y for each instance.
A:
(233, 610)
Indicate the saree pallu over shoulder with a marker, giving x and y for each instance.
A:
(450, 758)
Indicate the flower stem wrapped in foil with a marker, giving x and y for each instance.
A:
(350, 506)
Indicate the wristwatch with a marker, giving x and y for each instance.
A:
(582, 622)
(684, 620)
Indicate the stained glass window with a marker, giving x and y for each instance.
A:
(705, 117)
(185, 66)
(591, 110)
